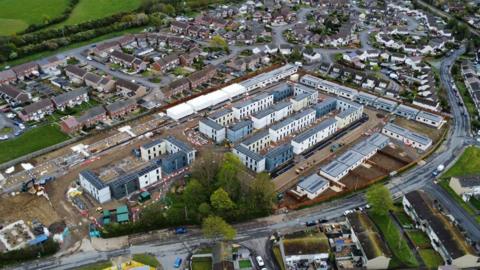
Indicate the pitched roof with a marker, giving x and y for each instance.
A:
(39, 105)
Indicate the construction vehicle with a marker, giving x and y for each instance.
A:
(27, 185)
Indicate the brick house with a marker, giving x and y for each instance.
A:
(70, 99)
(121, 108)
(13, 95)
(75, 74)
(92, 116)
(37, 111)
(130, 89)
(166, 63)
(177, 87)
(202, 76)
(26, 70)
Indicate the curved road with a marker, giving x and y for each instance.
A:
(417, 178)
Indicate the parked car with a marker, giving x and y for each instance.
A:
(180, 230)
(178, 262)
(260, 261)
(310, 223)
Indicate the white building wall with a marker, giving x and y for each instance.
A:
(103, 195)
(150, 177)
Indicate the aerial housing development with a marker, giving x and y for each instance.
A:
(235, 135)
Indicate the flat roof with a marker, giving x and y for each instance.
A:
(240, 125)
(417, 137)
(219, 114)
(242, 149)
(292, 118)
(315, 129)
(268, 75)
(377, 139)
(211, 123)
(313, 183)
(430, 116)
(406, 110)
(334, 168)
(350, 157)
(364, 148)
(256, 137)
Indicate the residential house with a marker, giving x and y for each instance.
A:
(121, 108)
(37, 110)
(466, 186)
(202, 76)
(92, 116)
(70, 99)
(166, 63)
(130, 89)
(13, 95)
(26, 70)
(75, 74)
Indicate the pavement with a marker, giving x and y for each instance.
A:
(418, 178)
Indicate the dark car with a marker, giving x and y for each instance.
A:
(180, 230)
(310, 223)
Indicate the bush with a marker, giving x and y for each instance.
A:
(49, 247)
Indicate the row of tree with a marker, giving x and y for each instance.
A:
(220, 188)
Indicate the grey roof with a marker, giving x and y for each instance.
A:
(256, 137)
(366, 96)
(151, 144)
(240, 125)
(128, 84)
(242, 104)
(312, 131)
(311, 78)
(263, 113)
(378, 139)
(242, 149)
(420, 138)
(266, 76)
(93, 179)
(291, 119)
(91, 113)
(364, 148)
(92, 77)
(430, 116)
(67, 96)
(386, 102)
(469, 181)
(183, 146)
(279, 149)
(350, 157)
(14, 93)
(36, 106)
(334, 168)
(279, 106)
(212, 124)
(301, 96)
(120, 105)
(219, 114)
(313, 183)
(76, 70)
(403, 109)
(347, 112)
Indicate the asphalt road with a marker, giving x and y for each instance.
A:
(418, 178)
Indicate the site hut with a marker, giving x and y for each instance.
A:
(430, 119)
(212, 130)
(258, 141)
(292, 124)
(352, 159)
(250, 159)
(408, 137)
(180, 111)
(263, 118)
(223, 117)
(270, 77)
(312, 186)
(325, 107)
(385, 104)
(314, 135)
(282, 110)
(280, 91)
(445, 237)
(375, 253)
(278, 156)
(234, 90)
(94, 186)
(365, 98)
(246, 108)
(239, 130)
(406, 111)
(334, 170)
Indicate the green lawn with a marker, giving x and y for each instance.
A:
(5, 130)
(402, 217)
(75, 111)
(31, 141)
(96, 266)
(93, 9)
(419, 238)
(278, 257)
(146, 259)
(431, 258)
(202, 264)
(245, 264)
(395, 242)
(467, 164)
(475, 202)
(17, 15)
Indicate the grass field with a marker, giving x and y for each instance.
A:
(419, 238)
(31, 141)
(431, 258)
(96, 266)
(202, 264)
(278, 257)
(94, 9)
(16, 15)
(394, 240)
(467, 164)
(146, 259)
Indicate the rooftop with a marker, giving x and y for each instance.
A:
(313, 183)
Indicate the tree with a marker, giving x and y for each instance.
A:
(204, 209)
(262, 192)
(214, 227)
(218, 42)
(227, 175)
(205, 168)
(194, 194)
(380, 199)
(221, 201)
